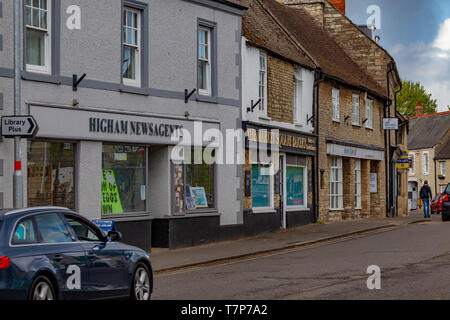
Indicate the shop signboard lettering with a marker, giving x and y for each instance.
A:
(110, 194)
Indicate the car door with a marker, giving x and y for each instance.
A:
(65, 254)
(446, 203)
(106, 262)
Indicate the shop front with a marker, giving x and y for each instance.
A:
(279, 175)
(355, 181)
(117, 166)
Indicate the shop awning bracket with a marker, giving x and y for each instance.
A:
(254, 105)
(77, 81)
(187, 95)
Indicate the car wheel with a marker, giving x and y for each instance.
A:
(141, 286)
(42, 289)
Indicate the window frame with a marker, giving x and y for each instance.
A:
(96, 230)
(262, 87)
(36, 232)
(139, 47)
(369, 113)
(207, 91)
(271, 206)
(298, 98)
(339, 184)
(48, 50)
(335, 102)
(358, 184)
(412, 165)
(356, 121)
(427, 154)
(305, 187)
(442, 168)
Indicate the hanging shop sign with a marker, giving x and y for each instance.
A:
(403, 160)
(390, 123)
(286, 141)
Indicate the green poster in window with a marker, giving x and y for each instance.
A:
(294, 186)
(110, 194)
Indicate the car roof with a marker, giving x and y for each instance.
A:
(12, 212)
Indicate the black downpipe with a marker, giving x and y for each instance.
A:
(317, 80)
(388, 162)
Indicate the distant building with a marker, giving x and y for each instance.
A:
(429, 153)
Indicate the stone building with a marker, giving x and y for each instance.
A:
(429, 146)
(376, 62)
(278, 115)
(350, 108)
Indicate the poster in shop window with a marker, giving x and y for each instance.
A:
(199, 196)
(110, 194)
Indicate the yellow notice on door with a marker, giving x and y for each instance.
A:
(110, 194)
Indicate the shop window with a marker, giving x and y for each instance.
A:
(262, 186)
(336, 184)
(124, 185)
(358, 184)
(296, 181)
(51, 174)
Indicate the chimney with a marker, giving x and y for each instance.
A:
(340, 4)
(419, 110)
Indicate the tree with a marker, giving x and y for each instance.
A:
(411, 94)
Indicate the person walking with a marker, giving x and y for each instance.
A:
(426, 196)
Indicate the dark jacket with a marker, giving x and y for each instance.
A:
(425, 192)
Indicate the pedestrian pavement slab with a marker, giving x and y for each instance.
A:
(167, 260)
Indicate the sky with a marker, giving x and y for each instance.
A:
(417, 34)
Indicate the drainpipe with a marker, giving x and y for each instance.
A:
(388, 162)
(318, 77)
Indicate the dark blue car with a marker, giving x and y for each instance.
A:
(53, 253)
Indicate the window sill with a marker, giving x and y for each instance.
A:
(265, 118)
(336, 121)
(302, 208)
(135, 90)
(264, 210)
(337, 209)
(356, 125)
(195, 214)
(367, 128)
(41, 77)
(205, 98)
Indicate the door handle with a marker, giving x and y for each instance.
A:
(58, 258)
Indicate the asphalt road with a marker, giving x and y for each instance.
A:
(414, 262)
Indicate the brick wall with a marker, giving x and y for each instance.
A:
(280, 90)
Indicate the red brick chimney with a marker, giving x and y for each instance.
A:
(340, 4)
(419, 110)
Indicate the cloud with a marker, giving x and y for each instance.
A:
(428, 63)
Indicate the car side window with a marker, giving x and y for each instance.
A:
(24, 233)
(52, 228)
(83, 231)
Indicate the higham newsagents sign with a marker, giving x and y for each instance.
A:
(102, 125)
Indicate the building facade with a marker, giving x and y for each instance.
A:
(428, 154)
(105, 145)
(376, 62)
(278, 113)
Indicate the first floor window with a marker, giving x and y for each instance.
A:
(262, 81)
(442, 168)
(298, 96)
(124, 179)
(358, 184)
(262, 189)
(442, 188)
(131, 46)
(335, 104)
(336, 183)
(51, 167)
(369, 114)
(355, 113)
(411, 164)
(37, 35)
(204, 61)
(426, 163)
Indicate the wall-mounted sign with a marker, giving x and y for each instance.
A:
(403, 160)
(390, 123)
(373, 183)
(19, 126)
(354, 152)
(286, 141)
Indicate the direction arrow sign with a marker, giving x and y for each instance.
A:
(19, 126)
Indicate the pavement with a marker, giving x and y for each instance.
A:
(166, 260)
